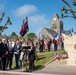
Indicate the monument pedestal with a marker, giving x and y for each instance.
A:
(70, 48)
(72, 59)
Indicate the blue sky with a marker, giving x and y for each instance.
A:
(39, 12)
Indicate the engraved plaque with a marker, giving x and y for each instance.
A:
(75, 46)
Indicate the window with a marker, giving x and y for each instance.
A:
(54, 26)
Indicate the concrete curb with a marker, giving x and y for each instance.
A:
(20, 73)
(47, 63)
(50, 61)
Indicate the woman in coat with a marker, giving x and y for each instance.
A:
(24, 54)
(32, 57)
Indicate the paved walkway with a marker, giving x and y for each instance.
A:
(57, 67)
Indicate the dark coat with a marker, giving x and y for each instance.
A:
(32, 56)
(3, 49)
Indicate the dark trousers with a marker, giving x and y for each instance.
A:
(49, 47)
(55, 46)
(16, 60)
(9, 62)
(31, 65)
(62, 46)
(4, 63)
(0, 63)
(41, 48)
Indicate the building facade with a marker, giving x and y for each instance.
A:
(56, 26)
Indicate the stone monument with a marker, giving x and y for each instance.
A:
(70, 41)
(70, 48)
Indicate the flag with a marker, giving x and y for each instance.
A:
(24, 29)
(57, 35)
(57, 38)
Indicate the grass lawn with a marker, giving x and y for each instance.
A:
(43, 58)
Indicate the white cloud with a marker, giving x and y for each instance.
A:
(38, 20)
(25, 10)
(1, 7)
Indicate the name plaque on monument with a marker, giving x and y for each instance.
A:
(70, 48)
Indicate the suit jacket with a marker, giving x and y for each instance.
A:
(17, 48)
(3, 49)
(32, 56)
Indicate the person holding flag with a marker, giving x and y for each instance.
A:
(56, 41)
(24, 29)
(57, 38)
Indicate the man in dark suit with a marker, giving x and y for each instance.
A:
(1, 54)
(10, 55)
(5, 53)
(17, 49)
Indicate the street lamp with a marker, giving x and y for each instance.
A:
(68, 10)
(5, 25)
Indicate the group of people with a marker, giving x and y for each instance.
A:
(23, 50)
(45, 45)
(48, 43)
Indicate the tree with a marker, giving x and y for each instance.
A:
(30, 35)
(68, 10)
(8, 22)
(13, 35)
